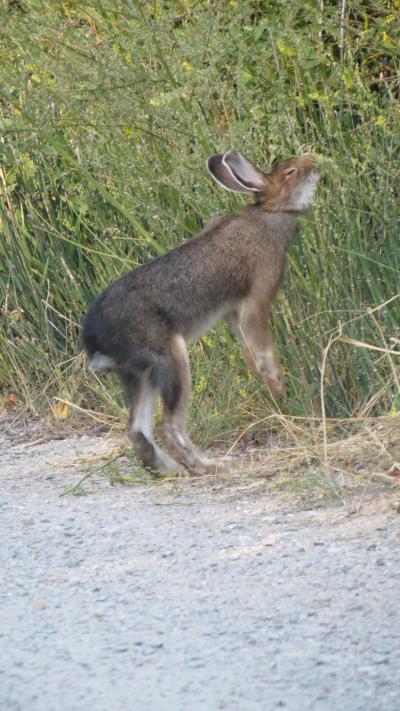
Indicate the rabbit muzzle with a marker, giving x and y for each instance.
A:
(303, 195)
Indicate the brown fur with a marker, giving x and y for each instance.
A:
(231, 271)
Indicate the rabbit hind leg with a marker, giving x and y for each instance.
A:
(175, 399)
(143, 395)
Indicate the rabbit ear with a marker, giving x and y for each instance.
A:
(224, 176)
(244, 171)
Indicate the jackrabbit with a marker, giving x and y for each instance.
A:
(139, 326)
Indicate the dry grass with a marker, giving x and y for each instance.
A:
(305, 462)
(311, 459)
(369, 445)
(297, 463)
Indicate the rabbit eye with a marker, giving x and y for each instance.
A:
(289, 171)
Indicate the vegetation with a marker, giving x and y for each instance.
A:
(108, 110)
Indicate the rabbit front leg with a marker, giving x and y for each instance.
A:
(249, 325)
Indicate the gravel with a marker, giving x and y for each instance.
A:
(152, 598)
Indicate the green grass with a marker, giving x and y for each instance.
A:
(108, 111)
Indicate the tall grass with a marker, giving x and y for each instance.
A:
(107, 113)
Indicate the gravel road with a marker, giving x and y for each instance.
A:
(147, 598)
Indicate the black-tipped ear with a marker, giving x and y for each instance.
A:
(223, 175)
(244, 171)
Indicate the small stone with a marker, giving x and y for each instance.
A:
(358, 468)
(39, 605)
(73, 563)
(394, 469)
(270, 541)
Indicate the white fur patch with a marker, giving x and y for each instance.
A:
(266, 364)
(100, 361)
(304, 194)
(144, 409)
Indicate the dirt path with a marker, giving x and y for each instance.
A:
(148, 598)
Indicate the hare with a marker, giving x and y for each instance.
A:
(231, 270)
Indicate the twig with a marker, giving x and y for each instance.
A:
(332, 340)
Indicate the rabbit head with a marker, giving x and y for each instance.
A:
(288, 187)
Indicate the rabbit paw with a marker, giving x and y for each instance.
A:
(276, 386)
